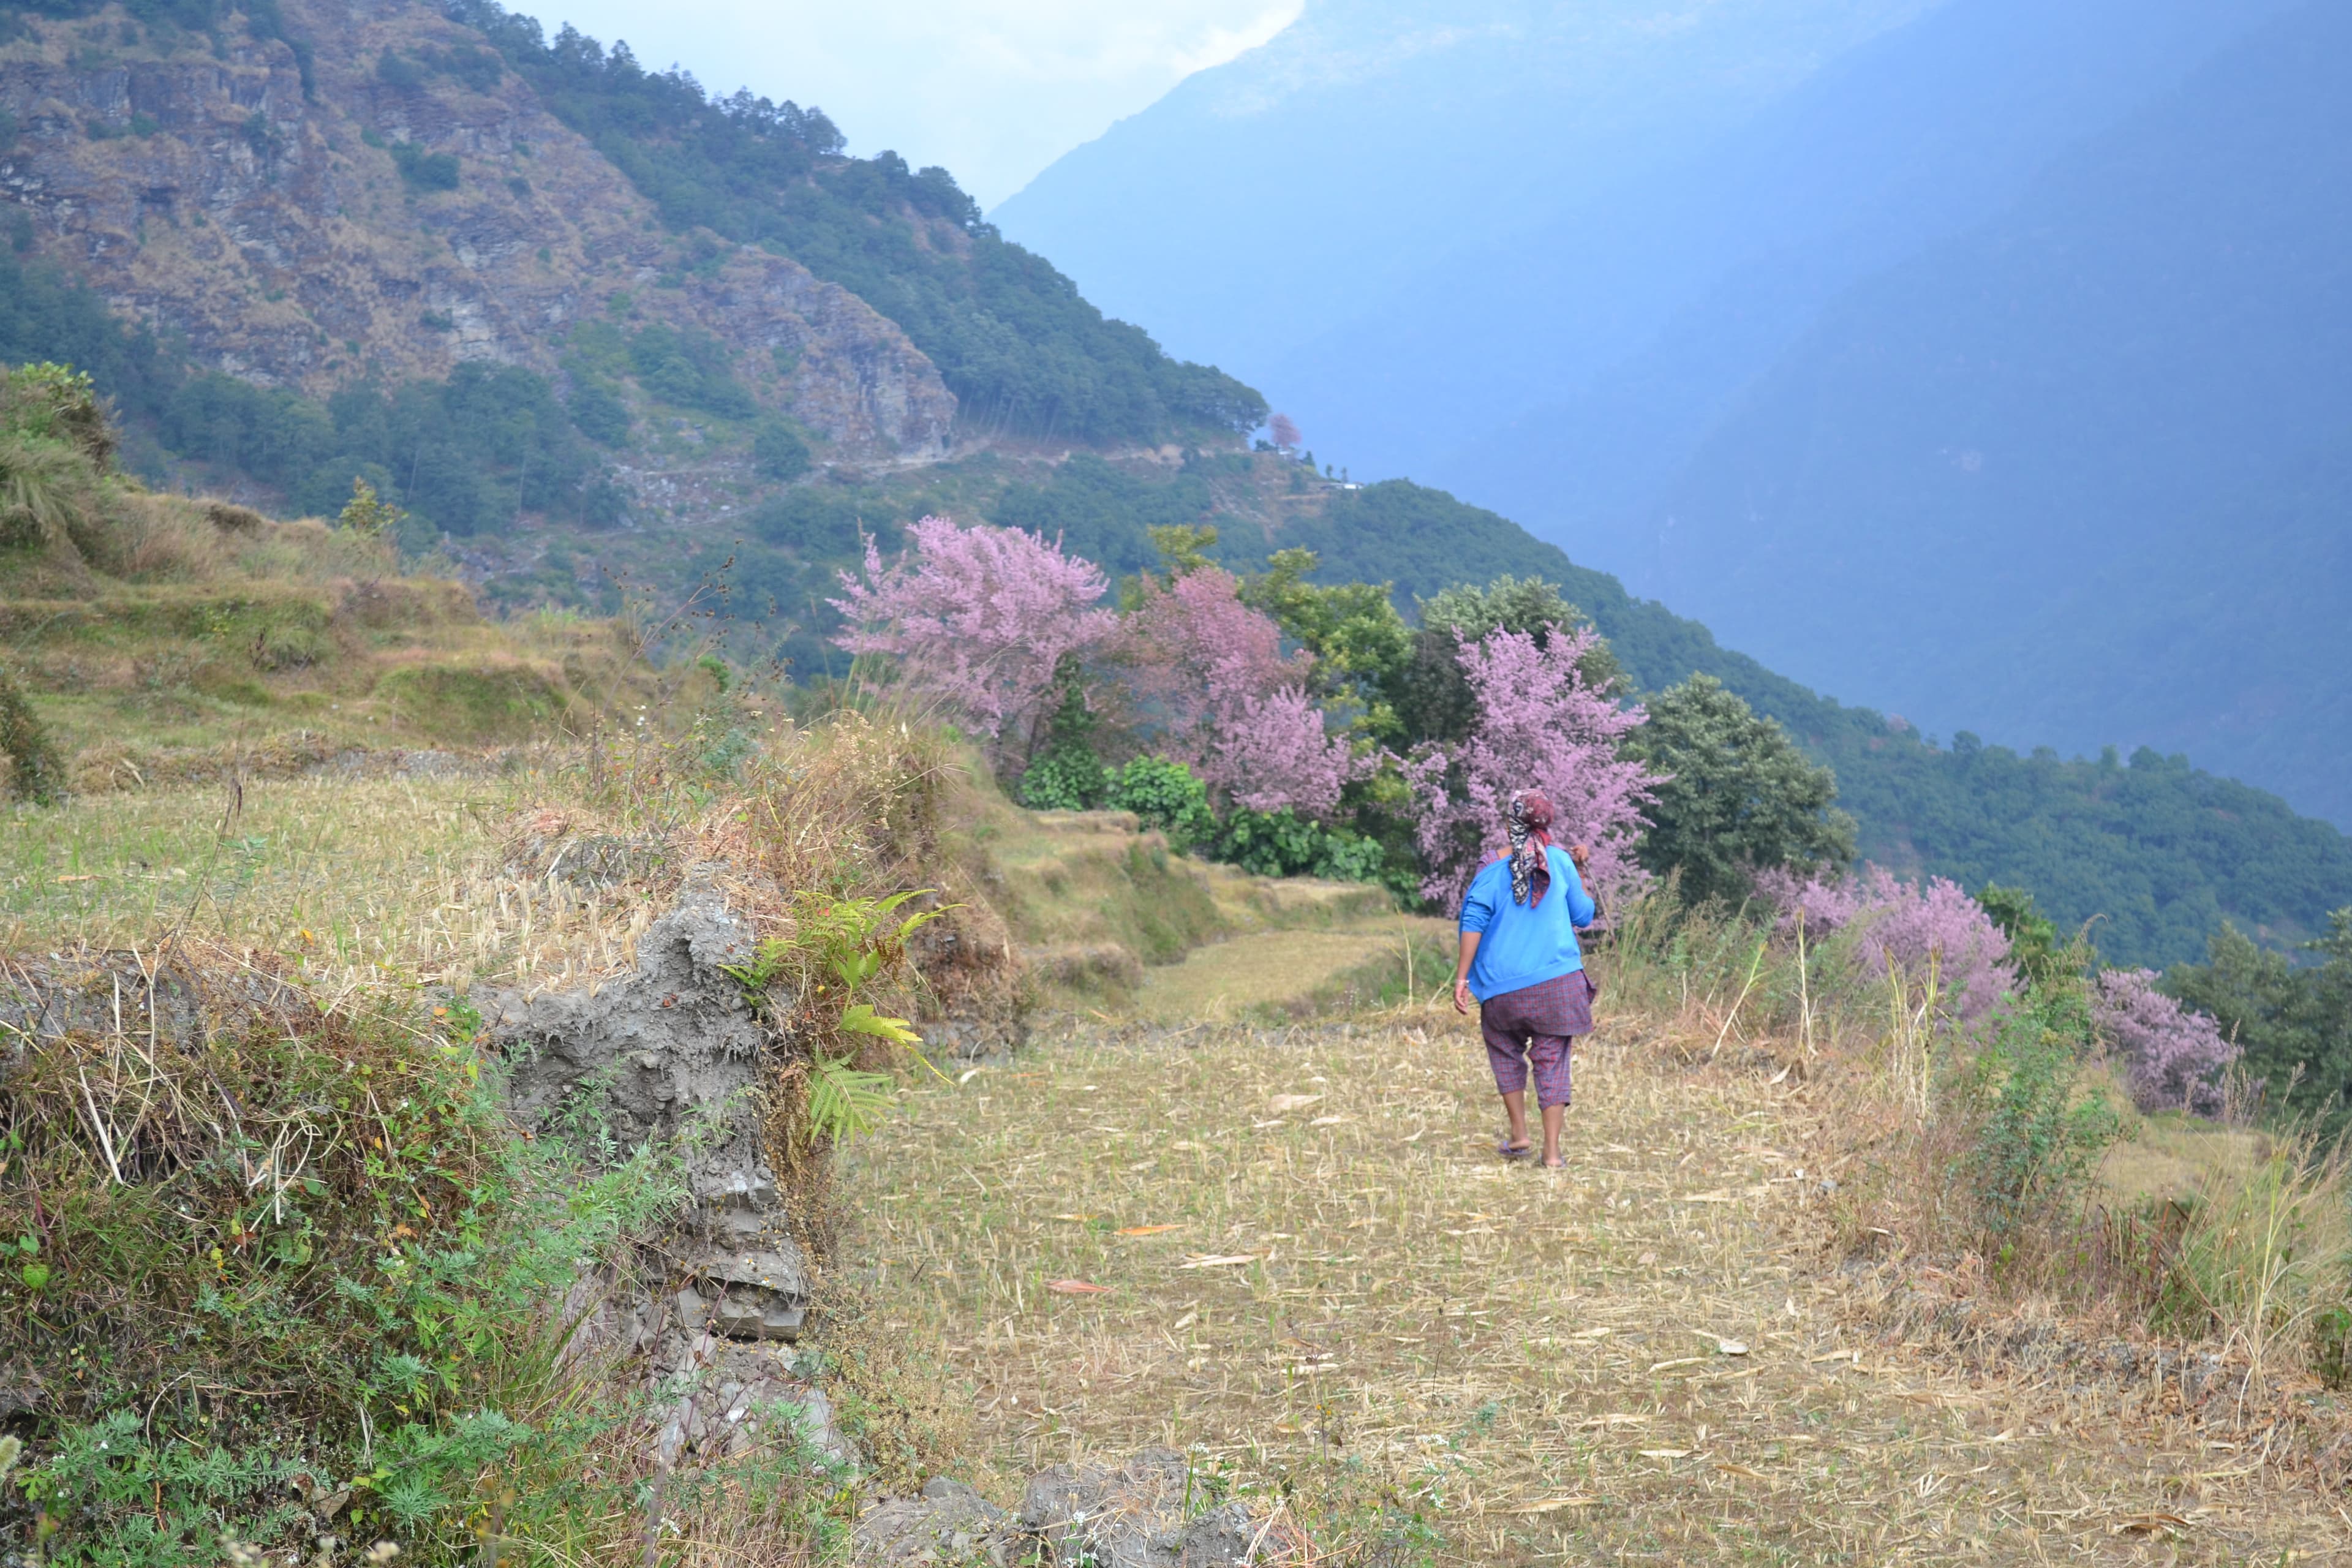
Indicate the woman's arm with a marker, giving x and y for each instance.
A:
(1580, 907)
(1462, 970)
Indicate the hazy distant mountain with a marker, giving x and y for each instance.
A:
(1596, 331)
(2086, 472)
(1265, 201)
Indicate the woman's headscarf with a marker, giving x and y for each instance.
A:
(1528, 823)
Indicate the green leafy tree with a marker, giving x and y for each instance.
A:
(2293, 1021)
(1739, 797)
(2034, 946)
(1360, 642)
(367, 516)
(1428, 692)
(1068, 774)
(1183, 546)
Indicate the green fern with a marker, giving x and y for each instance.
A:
(844, 1100)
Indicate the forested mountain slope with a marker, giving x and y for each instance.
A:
(1018, 346)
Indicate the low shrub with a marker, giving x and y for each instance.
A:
(1168, 797)
(37, 769)
(425, 171)
(1283, 843)
(1067, 779)
(2033, 1134)
(277, 1267)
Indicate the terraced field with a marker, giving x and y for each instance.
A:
(1291, 1251)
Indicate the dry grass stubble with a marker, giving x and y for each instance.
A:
(1350, 1300)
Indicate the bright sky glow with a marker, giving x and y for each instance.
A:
(996, 90)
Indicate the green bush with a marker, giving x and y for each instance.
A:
(599, 412)
(425, 171)
(690, 369)
(1168, 796)
(378, 1305)
(35, 770)
(778, 451)
(1071, 779)
(1283, 843)
(1066, 775)
(2033, 1137)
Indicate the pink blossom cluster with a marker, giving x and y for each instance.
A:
(1538, 726)
(2174, 1059)
(978, 617)
(1906, 924)
(1210, 674)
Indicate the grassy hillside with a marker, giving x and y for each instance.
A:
(158, 636)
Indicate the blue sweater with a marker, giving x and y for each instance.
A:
(1521, 946)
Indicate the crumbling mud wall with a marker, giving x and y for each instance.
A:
(673, 1052)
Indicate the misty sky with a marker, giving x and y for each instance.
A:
(996, 90)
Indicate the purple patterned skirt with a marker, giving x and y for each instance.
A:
(1532, 1027)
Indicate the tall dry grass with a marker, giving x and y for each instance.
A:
(2252, 1258)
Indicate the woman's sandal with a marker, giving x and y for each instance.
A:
(1508, 1151)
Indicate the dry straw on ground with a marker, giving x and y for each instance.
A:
(1316, 1277)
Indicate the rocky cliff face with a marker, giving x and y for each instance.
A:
(194, 181)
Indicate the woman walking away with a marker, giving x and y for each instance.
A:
(1520, 958)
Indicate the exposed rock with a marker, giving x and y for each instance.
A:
(1132, 1516)
(672, 1052)
(731, 1396)
(950, 1523)
(204, 192)
(1223, 1535)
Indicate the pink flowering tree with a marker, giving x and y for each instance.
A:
(2174, 1059)
(1908, 926)
(1209, 677)
(977, 618)
(1539, 725)
(1274, 753)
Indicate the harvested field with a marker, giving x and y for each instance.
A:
(1293, 1252)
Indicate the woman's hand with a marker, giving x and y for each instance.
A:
(1583, 855)
(1462, 994)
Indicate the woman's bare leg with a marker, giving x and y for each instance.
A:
(1554, 1118)
(1515, 1106)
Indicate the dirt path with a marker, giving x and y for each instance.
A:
(1351, 1297)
